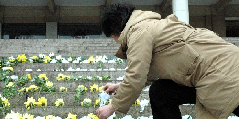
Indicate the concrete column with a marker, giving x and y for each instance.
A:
(51, 30)
(209, 22)
(180, 9)
(219, 25)
(103, 36)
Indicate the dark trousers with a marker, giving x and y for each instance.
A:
(166, 96)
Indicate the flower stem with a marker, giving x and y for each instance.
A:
(136, 110)
(39, 92)
(16, 102)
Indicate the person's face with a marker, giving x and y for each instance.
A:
(116, 37)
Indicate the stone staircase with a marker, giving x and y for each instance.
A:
(71, 47)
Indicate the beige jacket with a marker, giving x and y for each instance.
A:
(169, 49)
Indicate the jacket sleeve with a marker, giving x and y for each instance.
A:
(139, 55)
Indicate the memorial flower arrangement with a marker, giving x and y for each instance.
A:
(28, 84)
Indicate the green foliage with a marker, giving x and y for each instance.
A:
(95, 78)
(9, 91)
(79, 92)
(48, 89)
(22, 81)
(39, 81)
(105, 78)
(100, 64)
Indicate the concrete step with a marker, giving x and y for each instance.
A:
(70, 85)
(13, 47)
(53, 74)
(65, 66)
(79, 110)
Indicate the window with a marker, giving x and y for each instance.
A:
(78, 31)
(24, 30)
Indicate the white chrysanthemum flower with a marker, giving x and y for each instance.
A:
(187, 117)
(7, 62)
(92, 70)
(51, 54)
(112, 116)
(11, 58)
(83, 69)
(85, 117)
(112, 69)
(38, 117)
(85, 61)
(58, 57)
(231, 117)
(98, 58)
(89, 77)
(28, 70)
(53, 61)
(104, 59)
(64, 60)
(14, 77)
(70, 69)
(143, 103)
(142, 117)
(30, 60)
(13, 115)
(127, 117)
(111, 61)
(42, 56)
(78, 58)
(69, 59)
(120, 78)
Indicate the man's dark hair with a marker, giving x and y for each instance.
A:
(115, 17)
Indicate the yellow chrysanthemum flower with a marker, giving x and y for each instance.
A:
(13, 114)
(47, 58)
(59, 102)
(19, 57)
(27, 116)
(32, 88)
(82, 86)
(94, 88)
(49, 117)
(71, 116)
(43, 76)
(22, 58)
(30, 103)
(12, 60)
(5, 102)
(137, 102)
(29, 77)
(43, 101)
(97, 102)
(60, 77)
(45, 61)
(63, 89)
(108, 101)
(66, 77)
(10, 84)
(22, 89)
(49, 84)
(92, 116)
(34, 57)
(86, 102)
(91, 59)
(7, 68)
(101, 88)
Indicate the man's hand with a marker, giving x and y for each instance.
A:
(105, 111)
(111, 88)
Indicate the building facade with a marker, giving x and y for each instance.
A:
(79, 19)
